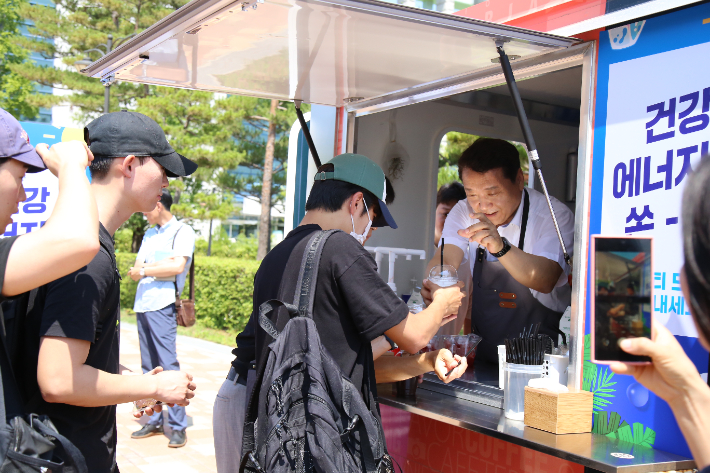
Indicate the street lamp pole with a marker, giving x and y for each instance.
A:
(107, 89)
(103, 49)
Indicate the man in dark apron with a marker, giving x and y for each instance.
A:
(503, 233)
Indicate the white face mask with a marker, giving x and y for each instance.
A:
(361, 238)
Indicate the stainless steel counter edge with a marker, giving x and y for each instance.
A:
(590, 450)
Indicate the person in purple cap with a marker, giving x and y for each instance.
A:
(71, 370)
(68, 239)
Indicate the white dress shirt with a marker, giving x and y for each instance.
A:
(540, 239)
(158, 245)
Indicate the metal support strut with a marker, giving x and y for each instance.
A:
(529, 140)
(307, 133)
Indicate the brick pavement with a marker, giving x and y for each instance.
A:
(208, 363)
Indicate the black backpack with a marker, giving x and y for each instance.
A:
(304, 414)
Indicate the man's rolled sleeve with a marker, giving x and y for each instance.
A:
(185, 242)
(457, 219)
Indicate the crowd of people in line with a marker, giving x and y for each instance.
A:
(60, 289)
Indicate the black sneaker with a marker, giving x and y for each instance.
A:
(178, 439)
(148, 430)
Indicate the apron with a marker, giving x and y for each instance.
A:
(501, 306)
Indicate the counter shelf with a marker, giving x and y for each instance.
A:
(474, 402)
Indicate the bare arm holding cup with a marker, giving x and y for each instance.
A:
(414, 332)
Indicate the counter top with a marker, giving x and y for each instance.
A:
(591, 450)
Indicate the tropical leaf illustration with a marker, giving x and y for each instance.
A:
(605, 423)
(636, 434)
(601, 387)
(596, 379)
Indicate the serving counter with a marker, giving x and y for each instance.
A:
(460, 428)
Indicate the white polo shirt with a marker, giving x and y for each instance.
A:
(158, 245)
(540, 239)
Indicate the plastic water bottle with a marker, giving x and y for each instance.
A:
(416, 302)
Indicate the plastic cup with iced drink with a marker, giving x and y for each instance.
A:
(443, 275)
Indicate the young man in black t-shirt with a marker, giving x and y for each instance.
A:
(73, 323)
(353, 305)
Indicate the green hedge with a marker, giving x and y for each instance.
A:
(223, 289)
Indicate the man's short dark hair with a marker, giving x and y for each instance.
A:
(450, 193)
(486, 154)
(330, 195)
(166, 199)
(100, 167)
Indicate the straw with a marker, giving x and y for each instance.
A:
(442, 255)
(465, 356)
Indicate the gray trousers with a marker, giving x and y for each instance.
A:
(230, 409)
(157, 334)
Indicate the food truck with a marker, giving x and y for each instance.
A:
(616, 96)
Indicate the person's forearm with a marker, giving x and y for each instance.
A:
(536, 272)
(90, 387)
(389, 369)
(380, 346)
(165, 268)
(417, 329)
(70, 237)
(693, 417)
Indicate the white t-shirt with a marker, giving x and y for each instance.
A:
(158, 245)
(540, 239)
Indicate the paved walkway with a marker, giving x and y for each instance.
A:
(208, 363)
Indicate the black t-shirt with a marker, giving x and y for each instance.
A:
(352, 307)
(84, 305)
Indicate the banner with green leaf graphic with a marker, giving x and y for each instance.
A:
(598, 380)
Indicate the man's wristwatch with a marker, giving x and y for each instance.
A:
(142, 272)
(506, 248)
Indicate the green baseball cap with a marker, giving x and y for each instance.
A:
(361, 171)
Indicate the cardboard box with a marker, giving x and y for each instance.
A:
(559, 413)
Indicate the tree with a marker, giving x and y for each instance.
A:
(78, 26)
(261, 127)
(193, 125)
(15, 90)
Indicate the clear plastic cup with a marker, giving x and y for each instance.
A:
(443, 276)
(516, 378)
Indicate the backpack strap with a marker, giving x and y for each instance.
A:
(305, 286)
(303, 307)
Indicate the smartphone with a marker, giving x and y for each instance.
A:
(621, 304)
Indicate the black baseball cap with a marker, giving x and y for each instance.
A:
(124, 133)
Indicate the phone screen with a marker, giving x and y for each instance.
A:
(622, 295)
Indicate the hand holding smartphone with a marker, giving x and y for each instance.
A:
(622, 289)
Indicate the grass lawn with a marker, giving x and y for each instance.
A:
(223, 337)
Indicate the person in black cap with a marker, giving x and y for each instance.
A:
(67, 241)
(353, 304)
(77, 382)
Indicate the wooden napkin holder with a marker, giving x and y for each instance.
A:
(559, 413)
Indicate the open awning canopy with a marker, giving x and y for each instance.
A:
(328, 52)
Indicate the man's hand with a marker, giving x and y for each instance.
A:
(450, 297)
(173, 387)
(135, 273)
(74, 153)
(149, 411)
(445, 362)
(671, 374)
(484, 233)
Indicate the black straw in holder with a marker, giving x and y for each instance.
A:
(529, 348)
(442, 256)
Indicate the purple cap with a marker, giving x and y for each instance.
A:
(15, 144)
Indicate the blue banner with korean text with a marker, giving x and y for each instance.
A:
(42, 187)
(652, 125)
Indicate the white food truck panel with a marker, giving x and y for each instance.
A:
(322, 52)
